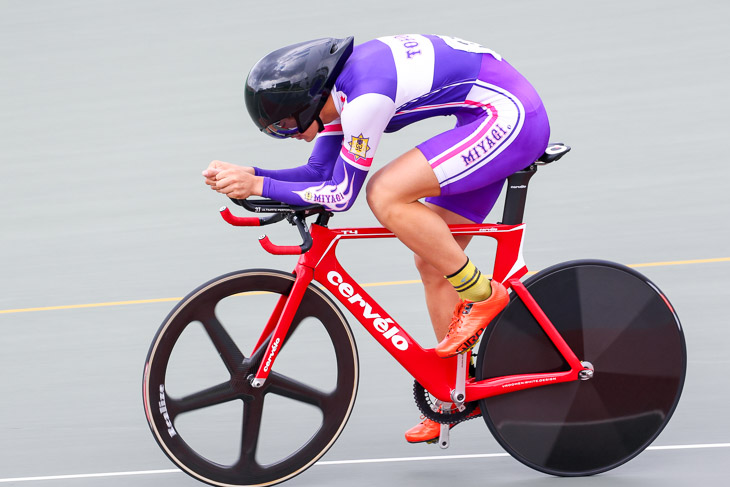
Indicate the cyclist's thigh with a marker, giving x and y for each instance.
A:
(471, 161)
(473, 205)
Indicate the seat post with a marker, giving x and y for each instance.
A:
(514, 203)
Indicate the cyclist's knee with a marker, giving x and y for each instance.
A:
(377, 196)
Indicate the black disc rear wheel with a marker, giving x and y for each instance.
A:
(612, 317)
(201, 406)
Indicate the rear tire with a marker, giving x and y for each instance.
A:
(612, 317)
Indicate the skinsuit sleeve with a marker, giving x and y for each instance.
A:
(340, 161)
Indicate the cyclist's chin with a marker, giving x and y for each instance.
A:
(304, 137)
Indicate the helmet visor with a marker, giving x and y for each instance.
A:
(278, 130)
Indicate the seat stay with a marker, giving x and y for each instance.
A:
(555, 337)
(500, 385)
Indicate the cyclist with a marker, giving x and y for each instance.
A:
(347, 97)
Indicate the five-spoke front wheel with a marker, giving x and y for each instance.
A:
(200, 404)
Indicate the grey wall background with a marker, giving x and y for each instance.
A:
(109, 110)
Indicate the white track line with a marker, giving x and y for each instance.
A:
(335, 462)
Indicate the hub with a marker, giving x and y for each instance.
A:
(587, 372)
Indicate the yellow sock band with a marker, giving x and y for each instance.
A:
(470, 283)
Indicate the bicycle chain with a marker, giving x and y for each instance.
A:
(427, 408)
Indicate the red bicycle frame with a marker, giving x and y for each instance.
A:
(435, 374)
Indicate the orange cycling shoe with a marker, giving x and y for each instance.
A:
(469, 321)
(429, 431)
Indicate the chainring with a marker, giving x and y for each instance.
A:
(429, 409)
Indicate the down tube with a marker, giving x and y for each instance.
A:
(436, 374)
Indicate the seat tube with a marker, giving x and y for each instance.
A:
(516, 197)
(304, 277)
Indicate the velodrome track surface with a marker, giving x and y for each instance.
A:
(110, 110)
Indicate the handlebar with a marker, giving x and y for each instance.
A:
(240, 221)
(296, 215)
(273, 206)
(290, 249)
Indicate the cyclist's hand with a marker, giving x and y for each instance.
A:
(217, 166)
(214, 168)
(231, 180)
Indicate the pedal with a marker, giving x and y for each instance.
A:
(444, 436)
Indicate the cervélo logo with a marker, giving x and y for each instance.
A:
(379, 323)
(271, 355)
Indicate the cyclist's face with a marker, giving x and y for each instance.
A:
(288, 123)
(287, 128)
(282, 129)
(308, 134)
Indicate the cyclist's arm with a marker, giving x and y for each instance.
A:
(319, 167)
(363, 122)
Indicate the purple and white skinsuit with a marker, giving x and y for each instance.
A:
(391, 82)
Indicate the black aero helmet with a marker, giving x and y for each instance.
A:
(294, 81)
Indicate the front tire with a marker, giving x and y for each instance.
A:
(200, 405)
